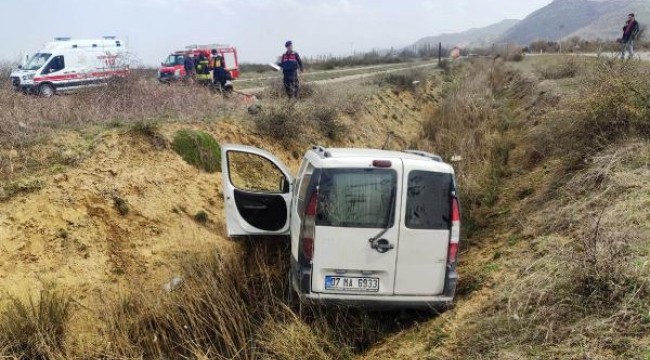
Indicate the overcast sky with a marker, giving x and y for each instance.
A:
(258, 28)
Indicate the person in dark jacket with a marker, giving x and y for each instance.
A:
(291, 65)
(222, 78)
(188, 64)
(630, 33)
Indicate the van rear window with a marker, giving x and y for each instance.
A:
(428, 204)
(360, 198)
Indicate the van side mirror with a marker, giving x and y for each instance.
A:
(20, 67)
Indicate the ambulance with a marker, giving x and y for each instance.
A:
(67, 64)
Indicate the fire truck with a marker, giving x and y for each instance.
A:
(172, 68)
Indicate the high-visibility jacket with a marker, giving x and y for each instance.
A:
(203, 69)
(216, 62)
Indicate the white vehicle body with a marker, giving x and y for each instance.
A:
(367, 227)
(69, 64)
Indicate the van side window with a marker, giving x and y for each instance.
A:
(303, 189)
(428, 203)
(56, 64)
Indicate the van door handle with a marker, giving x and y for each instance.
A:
(382, 246)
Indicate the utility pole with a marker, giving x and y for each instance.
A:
(439, 53)
(560, 37)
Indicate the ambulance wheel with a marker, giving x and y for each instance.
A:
(46, 90)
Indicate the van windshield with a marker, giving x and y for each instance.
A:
(359, 198)
(37, 61)
(174, 60)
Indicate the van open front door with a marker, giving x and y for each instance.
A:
(257, 192)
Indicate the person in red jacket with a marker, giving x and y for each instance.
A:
(291, 64)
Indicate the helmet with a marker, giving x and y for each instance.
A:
(288, 43)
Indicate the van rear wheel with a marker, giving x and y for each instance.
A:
(46, 90)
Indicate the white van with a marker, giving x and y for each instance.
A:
(367, 227)
(67, 65)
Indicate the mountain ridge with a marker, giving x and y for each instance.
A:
(561, 19)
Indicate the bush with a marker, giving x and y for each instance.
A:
(201, 217)
(150, 130)
(35, 329)
(555, 70)
(199, 149)
(327, 119)
(613, 106)
(402, 81)
(281, 121)
(256, 68)
(275, 90)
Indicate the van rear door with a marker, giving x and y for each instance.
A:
(425, 230)
(256, 191)
(357, 228)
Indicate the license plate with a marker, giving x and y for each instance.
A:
(345, 283)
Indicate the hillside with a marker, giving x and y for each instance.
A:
(112, 230)
(477, 37)
(590, 19)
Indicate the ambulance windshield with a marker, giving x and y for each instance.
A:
(37, 61)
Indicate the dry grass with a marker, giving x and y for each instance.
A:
(613, 107)
(559, 68)
(474, 121)
(577, 288)
(35, 329)
(322, 112)
(237, 308)
(136, 98)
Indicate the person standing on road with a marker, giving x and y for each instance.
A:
(630, 33)
(291, 65)
(188, 64)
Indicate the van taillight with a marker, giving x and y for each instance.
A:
(309, 227)
(454, 239)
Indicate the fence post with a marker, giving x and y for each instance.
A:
(439, 53)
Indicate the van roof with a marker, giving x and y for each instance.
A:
(368, 153)
(349, 153)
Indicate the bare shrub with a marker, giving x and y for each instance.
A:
(275, 90)
(559, 69)
(613, 106)
(307, 119)
(402, 81)
(280, 120)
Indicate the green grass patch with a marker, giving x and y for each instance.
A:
(199, 149)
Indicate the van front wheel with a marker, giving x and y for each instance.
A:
(46, 90)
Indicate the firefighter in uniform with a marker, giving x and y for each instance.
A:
(221, 77)
(291, 65)
(203, 69)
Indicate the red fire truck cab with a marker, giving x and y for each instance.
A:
(173, 69)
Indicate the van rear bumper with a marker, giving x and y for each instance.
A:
(380, 302)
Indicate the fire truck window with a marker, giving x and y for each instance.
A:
(57, 64)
